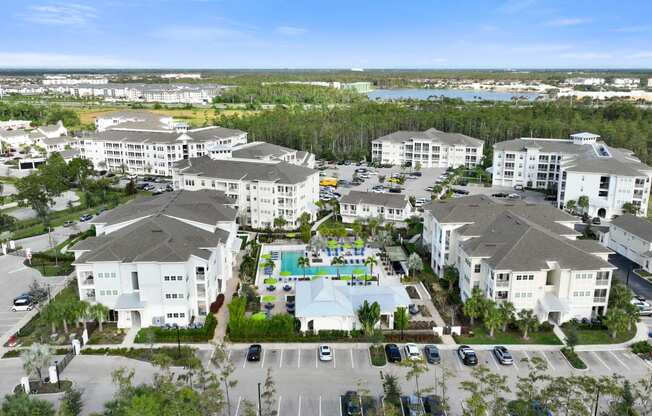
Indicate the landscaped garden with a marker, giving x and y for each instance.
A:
(110, 334)
(170, 355)
(478, 334)
(378, 357)
(170, 335)
(54, 262)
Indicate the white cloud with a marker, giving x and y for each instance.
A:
(61, 14)
(60, 60)
(200, 34)
(641, 55)
(290, 30)
(585, 55)
(567, 21)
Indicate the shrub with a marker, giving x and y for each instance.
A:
(573, 358)
(641, 347)
(219, 301)
(166, 335)
(378, 357)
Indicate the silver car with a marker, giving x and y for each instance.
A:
(325, 353)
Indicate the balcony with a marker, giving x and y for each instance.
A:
(602, 282)
(200, 276)
(502, 283)
(88, 281)
(90, 295)
(599, 299)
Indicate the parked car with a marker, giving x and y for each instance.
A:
(432, 354)
(85, 217)
(253, 354)
(100, 210)
(514, 196)
(467, 355)
(414, 406)
(644, 308)
(430, 189)
(22, 303)
(596, 220)
(500, 195)
(413, 309)
(352, 404)
(503, 356)
(460, 191)
(325, 353)
(433, 406)
(412, 352)
(393, 353)
(518, 187)
(394, 190)
(68, 223)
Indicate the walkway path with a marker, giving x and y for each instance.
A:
(560, 334)
(320, 222)
(129, 338)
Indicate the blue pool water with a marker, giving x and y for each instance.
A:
(290, 259)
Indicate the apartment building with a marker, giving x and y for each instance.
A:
(267, 152)
(580, 166)
(136, 119)
(631, 237)
(34, 137)
(395, 208)
(430, 148)
(522, 253)
(262, 190)
(159, 260)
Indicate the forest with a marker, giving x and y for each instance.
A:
(346, 131)
(39, 115)
(286, 94)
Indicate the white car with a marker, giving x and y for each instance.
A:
(325, 353)
(644, 308)
(412, 352)
(22, 303)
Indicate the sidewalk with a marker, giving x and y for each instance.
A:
(320, 222)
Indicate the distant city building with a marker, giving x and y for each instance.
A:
(430, 148)
(182, 75)
(580, 166)
(585, 81)
(33, 137)
(626, 82)
(74, 80)
(358, 205)
(520, 253)
(14, 124)
(159, 260)
(361, 87)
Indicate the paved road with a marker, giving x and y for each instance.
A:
(60, 203)
(639, 285)
(60, 234)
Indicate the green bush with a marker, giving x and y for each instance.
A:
(145, 354)
(164, 335)
(641, 347)
(378, 357)
(573, 358)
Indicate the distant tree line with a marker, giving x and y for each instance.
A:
(39, 115)
(287, 94)
(346, 131)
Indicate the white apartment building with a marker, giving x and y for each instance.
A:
(521, 253)
(395, 208)
(585, 81)
(73, 80)
(265, 152)
(626, 82)
(262, 191)
(14, 124)
(135, 119)
(430, 148)
(580, 166)
(22, 137)
(159, 260)
(631, 237)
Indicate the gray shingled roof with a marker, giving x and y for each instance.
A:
(260, 150)
(640, 227)
(279, 172)
(162, 136)
(434, 135)
(544, 145)
(158, 238)
(372, 198)
(206, 207)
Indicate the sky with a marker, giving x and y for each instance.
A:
(435, 34)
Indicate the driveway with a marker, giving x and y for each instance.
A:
(58, 235)
(639, 285)
(60, 203)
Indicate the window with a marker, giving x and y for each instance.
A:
(476, 268)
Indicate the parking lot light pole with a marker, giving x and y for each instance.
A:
(56, 365)
(260, 407)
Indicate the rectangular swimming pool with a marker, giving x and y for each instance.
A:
(290, 267)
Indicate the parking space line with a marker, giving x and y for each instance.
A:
(340, 406)
(299, 413)
(361, 406)
(262, 362)
(494, 360)
(280, 362)
(621, 362)
(228, 357)
(317, 358)
(352, 362)
(278, 409)
(244, 363)
(334, 364)
(601, 361)
(548, 360)
(17, 270)
(514, 360)
(457, 364)
(299, 360)
(237, 408)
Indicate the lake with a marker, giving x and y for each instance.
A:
(466, 95)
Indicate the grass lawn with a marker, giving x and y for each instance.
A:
(601, 336)
(197, 117)
(269, 298)
(481, 336)
(110, 335)
(146, 354)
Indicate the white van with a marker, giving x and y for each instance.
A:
(22, 303)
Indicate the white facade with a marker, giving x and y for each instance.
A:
(631, 237)
(626, 82)
(495, 248)
(431, 148)
(73, 80)
(142, 290)
(581, 166)
(356, 205)
(585, 81)
(14, 124)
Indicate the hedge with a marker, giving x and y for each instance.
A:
(164, 335)
(574, 359)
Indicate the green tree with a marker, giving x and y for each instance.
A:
(303, 262)
(619, 295)
(99, 312)
(337, 262)
(629, 208)
(486, 393)
(507, 311)
(571, 205)
(130, 188)
(225, 370)
(52, 314)
(416, 369)
(77, 172)
(401, 320)
(392, 390)
(475, 305)
(527, 321)
(370, 262)
(414, 263)
(616, 320)
(280, 223)
(35, 359)
(369, 316)
(20, 404)
(451, 276)
(583, 202)
(71, 403)
(493, 317)
(268, 395)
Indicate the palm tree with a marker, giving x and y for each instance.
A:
(270, 265)
(616, 321)
(317, 243)
(414, 263)
(303, 262)
(280, 222)
(371, 262)
(369, 315)
(337, 262)
(82, 311)
(451, 276)
(527, 321)
(51, 314)
(36, 358)
(507, 310)
(99, 312)
(571, 205)
(493, 317)
(401, 319)
(474, 306)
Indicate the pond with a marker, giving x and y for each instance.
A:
(466, 95)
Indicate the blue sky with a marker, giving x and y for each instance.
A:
(327, 34)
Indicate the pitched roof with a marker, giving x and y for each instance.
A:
(158, 239)
(638, 226)
(205, 207)
(260, 150)
(372, 198)
(434, 135)
(279, 172)
(162, 136)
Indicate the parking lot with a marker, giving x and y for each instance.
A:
(307, 386)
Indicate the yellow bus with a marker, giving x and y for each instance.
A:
(328, 182)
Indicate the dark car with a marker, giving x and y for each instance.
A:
(432, 354)
(503, 356)
(413, 309)
(467, 355)
(433, 406)
(460, 191)
(596, 220)
(100, 210)
(500, 195)
(394, 190)
(169, 187)
(85, 217)
(352, 404)
(393, 353)
(254, 352)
